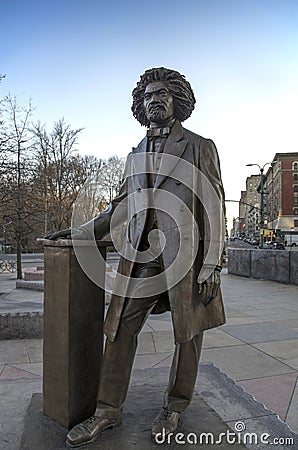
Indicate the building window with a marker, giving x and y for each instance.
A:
(296, 211)
(295, 223)
(295, 187)
(295, 177)
(295, 165)
(295, 199)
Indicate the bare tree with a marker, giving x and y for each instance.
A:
(101, 186)
(109, 178)
(41, 174)
(15, 168)
(88, 202)
(60, 172)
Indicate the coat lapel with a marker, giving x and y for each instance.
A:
(139, 166)
(175, 146)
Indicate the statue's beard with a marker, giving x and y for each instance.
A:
(157, 114)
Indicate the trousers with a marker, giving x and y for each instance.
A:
(119, 356)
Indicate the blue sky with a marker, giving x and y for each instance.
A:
(80, 59)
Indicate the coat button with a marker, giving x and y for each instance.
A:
(177, 182)
(182, 208)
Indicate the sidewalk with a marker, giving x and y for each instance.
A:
(258, 348)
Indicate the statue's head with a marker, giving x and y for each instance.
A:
(178, 87)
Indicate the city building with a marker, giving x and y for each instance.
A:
(242, 213)
(249, 208)
(280, 201)
(281, 194)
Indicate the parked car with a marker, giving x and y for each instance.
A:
(269, 244)
(254, 241)
(279, 246)
(273, 245)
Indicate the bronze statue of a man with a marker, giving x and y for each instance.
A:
(183, 167)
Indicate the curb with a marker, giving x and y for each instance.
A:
(32, 285)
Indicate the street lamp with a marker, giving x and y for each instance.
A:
(262, 199)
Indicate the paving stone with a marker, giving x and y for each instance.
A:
(164, 317)
(243, 362)
(247, 319)
(293, 362)
(150, 360)
(233, 404)
(260, 332)
(36, 368)
(292, 415)
(281, 349)
(159, 325)
(218, 338)
(145, 344)
(10, 372)
(13, 351)
(273, 312)
(34, 348)
(167, 362)
(291, 324)
(233, 312)
(15, 397)
(164, 341)
(146, 329)
(274, 392)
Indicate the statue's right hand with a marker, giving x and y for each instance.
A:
(66, 234)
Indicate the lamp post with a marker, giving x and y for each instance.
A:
(262, 199)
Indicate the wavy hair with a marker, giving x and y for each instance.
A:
(179, 87)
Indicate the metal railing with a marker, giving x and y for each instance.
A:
(8, 265)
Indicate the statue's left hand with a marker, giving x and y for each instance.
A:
(209, 288)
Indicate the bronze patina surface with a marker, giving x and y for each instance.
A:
(172, 186)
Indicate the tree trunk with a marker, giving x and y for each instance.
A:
(19, 260)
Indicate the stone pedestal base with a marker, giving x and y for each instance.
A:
(135, 432)
(145, 397)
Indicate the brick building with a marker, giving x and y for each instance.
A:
(280, 199)
(281, 193)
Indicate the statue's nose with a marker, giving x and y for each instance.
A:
(154, 98)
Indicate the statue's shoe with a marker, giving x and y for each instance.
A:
(89, 430)
(166, 422)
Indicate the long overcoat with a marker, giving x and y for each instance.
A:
(188, 198)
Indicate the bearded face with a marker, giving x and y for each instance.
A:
(158, 103)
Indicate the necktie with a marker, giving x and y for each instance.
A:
(158, 132)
